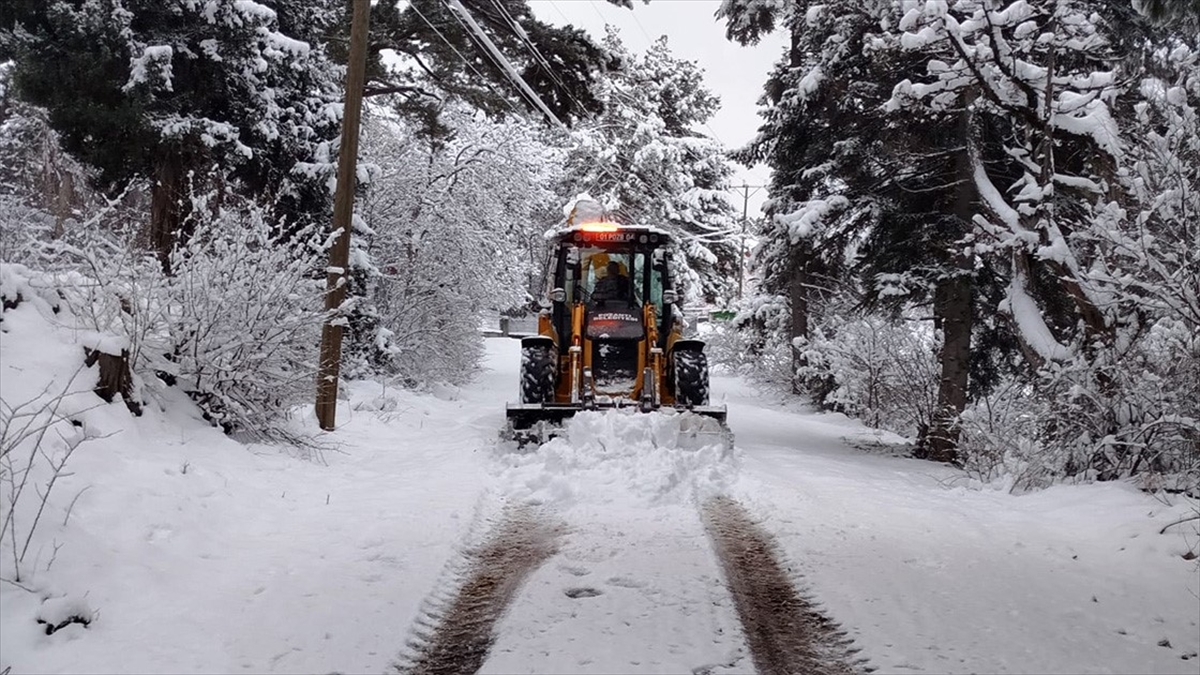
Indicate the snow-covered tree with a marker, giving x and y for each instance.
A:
(1050, 80)
(856, 190)
(165, 89)
(1015, 143)
(447, 224)
(43, 189)
(423, 52)
(644, 159)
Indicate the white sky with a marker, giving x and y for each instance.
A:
(733, 72)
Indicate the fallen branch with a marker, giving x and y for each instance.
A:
(19, 585)
(1179, 522)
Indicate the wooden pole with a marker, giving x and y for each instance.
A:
(336, 277)
(742, 239)
(746, 194)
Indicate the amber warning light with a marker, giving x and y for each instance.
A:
(598, 227)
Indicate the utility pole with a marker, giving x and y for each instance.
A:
(746, 194)
(336, 278)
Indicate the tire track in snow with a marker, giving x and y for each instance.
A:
(461, 633)
(630, 591)
(785, 633)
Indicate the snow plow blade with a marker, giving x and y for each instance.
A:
(523, 416)
(538, 422)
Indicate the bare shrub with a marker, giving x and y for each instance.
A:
(1140, 419)
(883, 372)
(36, 443)
(236, 325)
(240, 320)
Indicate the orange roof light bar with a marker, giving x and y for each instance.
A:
(599, 227)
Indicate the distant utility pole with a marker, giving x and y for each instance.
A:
(746, 193)
(336, 275)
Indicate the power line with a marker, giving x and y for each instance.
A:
(464, 59)
(597, 11)
(746, 194)
(487, 55)
(523, 37)
(507, 67)
(537, 54)
(649, 42)
(566, 21)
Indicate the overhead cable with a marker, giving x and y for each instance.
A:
(537, 54)
(460, 55)
(507, 67)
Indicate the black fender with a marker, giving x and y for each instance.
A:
(538, 341)
(688, 345)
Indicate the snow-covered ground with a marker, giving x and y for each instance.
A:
(191, 552)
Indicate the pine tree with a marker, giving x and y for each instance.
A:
(434, 56)
(856, 189)
(804, 102)
(644, 158)
(167, 89)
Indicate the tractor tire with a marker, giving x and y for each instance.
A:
(691, 378)
(537, 374)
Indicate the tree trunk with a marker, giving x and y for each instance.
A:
(64, 201)
(168, 205)
(798, 298)
(115, 377)
(800, 252)
(952, 310)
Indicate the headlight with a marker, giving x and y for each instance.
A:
(669, 296)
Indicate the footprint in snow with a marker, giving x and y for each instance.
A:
(575, 570)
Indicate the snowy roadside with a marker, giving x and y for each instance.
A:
(194, 553)
(930, 575)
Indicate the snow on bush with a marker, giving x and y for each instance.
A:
(750, 343)
(881, 371)
(1139, 419)
(236, 325)
(242, 320)
(871, 367)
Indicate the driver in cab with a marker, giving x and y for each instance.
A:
(613, 285)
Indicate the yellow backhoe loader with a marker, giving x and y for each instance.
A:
(610, 334)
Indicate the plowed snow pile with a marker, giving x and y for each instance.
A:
(623, 455)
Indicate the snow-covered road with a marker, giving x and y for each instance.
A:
(198, 554)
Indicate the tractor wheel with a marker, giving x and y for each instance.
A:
(537, 374)
(691, 378)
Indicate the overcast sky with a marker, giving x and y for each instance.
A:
(734, 73)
